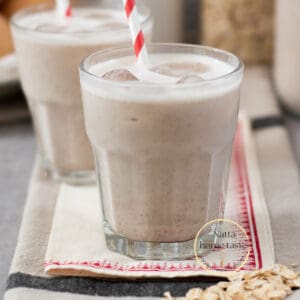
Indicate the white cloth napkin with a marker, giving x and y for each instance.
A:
(77, 243)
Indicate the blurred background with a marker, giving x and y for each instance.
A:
(244, 27)
(241, 26)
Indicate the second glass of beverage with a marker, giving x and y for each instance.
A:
(49, 50)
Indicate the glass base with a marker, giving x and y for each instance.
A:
(73, 178)
(140, 250)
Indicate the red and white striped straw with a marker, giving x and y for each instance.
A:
(136, 32)
(63, 8)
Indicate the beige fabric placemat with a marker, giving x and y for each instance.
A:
(77, 243)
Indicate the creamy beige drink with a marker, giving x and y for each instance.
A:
(162, 150)
(49, 50)
(287, 52)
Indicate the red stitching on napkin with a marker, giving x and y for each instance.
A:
(141, 267)
(247, 219)
(153, 267)
(244, 179)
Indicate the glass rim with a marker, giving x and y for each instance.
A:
(239, 68)
(79, 3)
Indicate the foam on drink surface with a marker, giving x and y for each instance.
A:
(83, 20)
(194, 76)
(187, 69)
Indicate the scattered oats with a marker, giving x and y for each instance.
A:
(295, 283)
(275, 280)
(194, 294)
(275, 283)
(237, 277)
(249, 298)
(287, 273)
(167, 296)
(245, 295)
(215, 289)
(260, 293)
(235, 288)
(223, 296)
(254, 284)
(277, 295)
(223, 284)
(210, 296)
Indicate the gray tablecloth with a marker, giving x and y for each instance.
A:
(17, 151)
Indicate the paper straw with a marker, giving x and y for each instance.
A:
(136, 32)
(63, 8)
(140, 70)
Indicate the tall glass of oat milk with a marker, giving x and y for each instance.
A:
(162, 150)
(49, 49)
